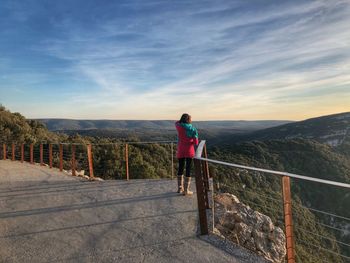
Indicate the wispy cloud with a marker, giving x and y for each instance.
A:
(217, 60)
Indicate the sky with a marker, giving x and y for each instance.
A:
(154, 59)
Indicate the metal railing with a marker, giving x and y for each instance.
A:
(106, 160)
(203, 189)
(74, 157)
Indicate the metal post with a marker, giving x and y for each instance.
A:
(31, 153)
(117, 164)
(73, 160)
(206, 162)
(287, 204)
(61, 157)
(206, 184)
(41, 154)
(127, 161)
(172, 160)
(4, 151)
(203, 222)
(13, 152)
(91, 168)
(50, 155)
(22, 153)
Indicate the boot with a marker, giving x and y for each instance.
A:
(187, 186)
(180, 184)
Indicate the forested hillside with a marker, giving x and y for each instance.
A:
(333, 130)
(16, 128)
(69, 124)
(145, 161)
(299, 156)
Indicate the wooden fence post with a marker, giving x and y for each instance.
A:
(22, 152)
(50, 155)
(287, 204)
(4, 151)
(31, 153)
(203, 222)
(127, 161)
(41, 154)
(91, 168)
(13, 152)
(61, 156)
(73, 160)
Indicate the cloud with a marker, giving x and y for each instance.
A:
(140, 58)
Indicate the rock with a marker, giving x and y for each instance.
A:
(227, 200)
(77, 173)
(268, 226)
(250, 244)
(80, 173)
(251, 229)
(243, 231)
(96, 179)
(261, 242)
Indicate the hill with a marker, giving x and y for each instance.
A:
(300, 156)
(16, 128)
(69, 124)
(333, 130)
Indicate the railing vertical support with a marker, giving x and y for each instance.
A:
(206, 183)
(61, 156)
(203, 222)
(22, 152)
(13, 152)
(41, 154)
(4, 151)
(206, 162)
(127, 161)
(50, 155)
(287, 204)
(172, 160)
(73, 160)
(89, 154)
(31, 153)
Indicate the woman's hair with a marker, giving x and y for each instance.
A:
(185, 118)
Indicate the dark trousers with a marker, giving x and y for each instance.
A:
(182, 162)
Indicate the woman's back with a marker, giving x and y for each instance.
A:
(187, 138)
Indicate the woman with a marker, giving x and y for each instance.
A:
(187, 138)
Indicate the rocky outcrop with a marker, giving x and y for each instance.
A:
(249, 228)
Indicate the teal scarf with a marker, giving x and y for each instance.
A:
(191, 131)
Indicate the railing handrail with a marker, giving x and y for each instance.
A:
(110, 143)
(292, 175)
(72, 153)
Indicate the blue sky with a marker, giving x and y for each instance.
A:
(157, 59)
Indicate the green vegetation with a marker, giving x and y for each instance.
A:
(145, 160)
(263, 191)
(15, 128)
(299, 156)
(331, 129)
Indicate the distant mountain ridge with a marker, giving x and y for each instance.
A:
(70, 124)
(333, 130)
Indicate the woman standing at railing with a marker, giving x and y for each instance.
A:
(187, 138)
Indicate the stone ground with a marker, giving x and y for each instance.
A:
(49, 216)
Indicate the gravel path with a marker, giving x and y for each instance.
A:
(48, 216)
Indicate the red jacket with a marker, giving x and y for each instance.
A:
(185, 144)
